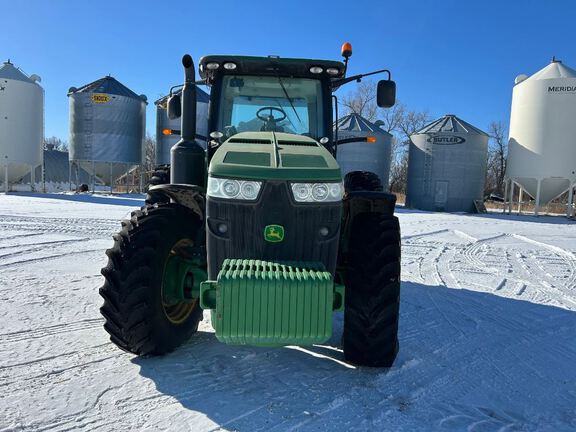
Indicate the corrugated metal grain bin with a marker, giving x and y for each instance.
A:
(447, 166)
(165, 142)
(107, 127)
(364, 156)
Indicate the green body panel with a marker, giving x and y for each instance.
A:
(274, 155)
(271, 304)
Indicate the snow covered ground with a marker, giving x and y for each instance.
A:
(487, 333)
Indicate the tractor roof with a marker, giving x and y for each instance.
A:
(271, 65)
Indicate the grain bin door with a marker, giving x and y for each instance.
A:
(440, 195)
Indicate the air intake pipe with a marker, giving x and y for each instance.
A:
(187, 157)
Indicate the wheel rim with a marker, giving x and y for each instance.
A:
(179, 312)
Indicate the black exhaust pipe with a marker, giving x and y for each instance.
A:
(187, 157)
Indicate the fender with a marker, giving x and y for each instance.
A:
(190, 196)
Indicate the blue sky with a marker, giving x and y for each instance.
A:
(446, 56)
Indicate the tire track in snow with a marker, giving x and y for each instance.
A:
(13, 376)
(94, 228)
(16, 236)
(37, 247)
(519, 274)
(49, 257)
(54, 330)
(567, 256)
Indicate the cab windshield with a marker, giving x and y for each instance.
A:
(256, 103)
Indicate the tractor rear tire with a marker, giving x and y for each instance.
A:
(135, 315)
(161, 175)
(372, 300)
(362, 181)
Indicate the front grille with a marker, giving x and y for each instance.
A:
(246, 221)
(298, 143)
(249, 141)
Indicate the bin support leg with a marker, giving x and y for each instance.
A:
(537, 204)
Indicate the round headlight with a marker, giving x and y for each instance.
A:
(333, 71)
(250, 190)
(301, 191)
(231, 188)
(316, 69)
(212, 66)
(320, 192)
(230, 66)
(336, 190)
(213, 186)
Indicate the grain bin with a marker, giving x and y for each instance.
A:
(107, 128)
(165, 142)
(542, 143)
(364, 156)
(447, 166)
(21, 124)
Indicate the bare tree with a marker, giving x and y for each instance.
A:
(407, 123)
(390, 119)
(397, 120)
(149, 161)
(55, 143)
(362, 101)
(497, 155)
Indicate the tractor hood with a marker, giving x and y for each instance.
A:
(274, 155)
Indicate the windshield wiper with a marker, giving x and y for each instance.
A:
(289, 100)
(289, 119)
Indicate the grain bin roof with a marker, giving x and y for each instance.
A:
(450, 123)
(9, 71)
(356, 123)
(107, 85)
(554, 70)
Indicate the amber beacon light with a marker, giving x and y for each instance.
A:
(346, 50)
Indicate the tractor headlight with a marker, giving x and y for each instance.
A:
(233, 189)
(317, 192)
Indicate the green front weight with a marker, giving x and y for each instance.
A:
(266, 303)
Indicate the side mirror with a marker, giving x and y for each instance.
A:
(386, 94)
(174, 107)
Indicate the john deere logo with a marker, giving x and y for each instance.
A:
(100, 98)
(274, 233)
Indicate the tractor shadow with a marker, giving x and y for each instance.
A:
(465, 357)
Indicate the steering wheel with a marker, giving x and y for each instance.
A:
(269, 120)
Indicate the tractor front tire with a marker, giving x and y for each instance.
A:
(135, 315)
(362, 181)
(372, 300)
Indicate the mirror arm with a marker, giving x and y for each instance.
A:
(179, 86)
(337, 83)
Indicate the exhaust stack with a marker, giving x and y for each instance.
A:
(187, 157)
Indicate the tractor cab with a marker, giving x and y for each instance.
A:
(271, 94)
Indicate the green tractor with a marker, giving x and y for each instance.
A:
(260, 228)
